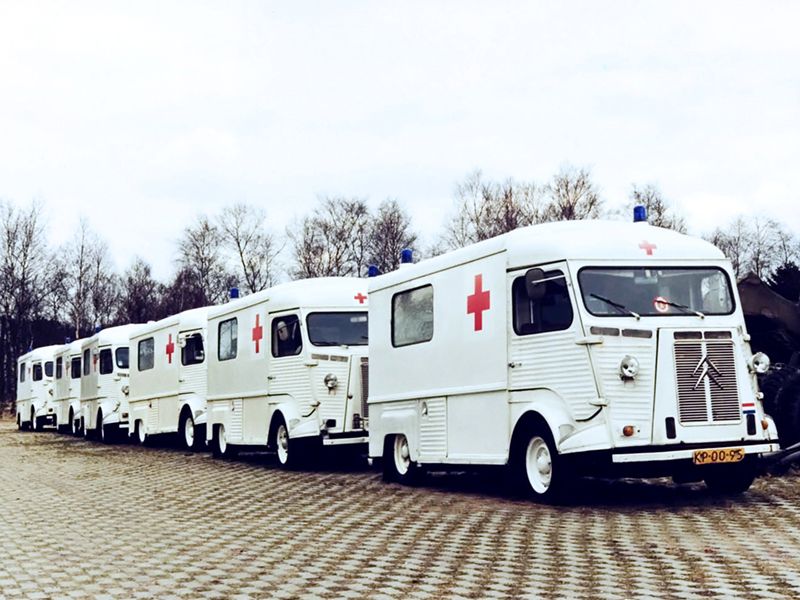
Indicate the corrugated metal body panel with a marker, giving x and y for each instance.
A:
(236, 424)
(194, 380)
(290, 376)
(628, 400)
(554, 361)
(433, 428)
(333, 404)
(152, 416)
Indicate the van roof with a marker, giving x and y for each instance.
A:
(318, 291)
(568, 240)
(71, 348)
(195, 318)
(41, 353)
(112, 335)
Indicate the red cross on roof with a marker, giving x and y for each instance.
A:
(170, 348)
(258, 333)
(360, 297)
(645, 245)
(478, 302)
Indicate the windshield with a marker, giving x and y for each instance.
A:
(659, 292)
(338, 329)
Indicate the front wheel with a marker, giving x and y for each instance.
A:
(731, 479)
(189, 433)
(538, 465)
(397, 463)
(220, 446)
(139, 433)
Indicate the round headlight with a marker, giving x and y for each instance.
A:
(628, 368)
(331, 381)
(759, 362)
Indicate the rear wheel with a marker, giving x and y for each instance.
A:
(787, 411)
(34, 423)
(73, 423)
(397, 463)
(139, 433)
(733, 478)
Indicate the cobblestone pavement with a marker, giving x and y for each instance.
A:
(83, 520)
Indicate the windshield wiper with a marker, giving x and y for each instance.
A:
(683, 308)
(619, 307)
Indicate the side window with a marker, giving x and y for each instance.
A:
(87, 361)
(412, 316)
(551, 312)
(59, 368)
(228, 339)
(106, 362)
(37, 372)
(76, 368)
(286, 337)
(22, 372)
(192, 353)
(48, 368)
(147, 351)
(122, 356)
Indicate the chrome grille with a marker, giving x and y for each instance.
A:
(364, 387)
(706, 379)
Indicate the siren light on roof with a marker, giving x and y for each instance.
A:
(639, 214)
(234, 293)
(406, 258)
(372, 271)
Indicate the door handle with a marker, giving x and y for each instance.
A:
(513, 364)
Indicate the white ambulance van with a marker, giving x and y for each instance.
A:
(297, 374)
(571, 348)
(104, 382)
(168, 378)
(68, 387)
(35, 407)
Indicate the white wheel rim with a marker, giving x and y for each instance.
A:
(402, 455)
(188, 432)
(223, 443)
(539, 465)
(282, 438)
(141, 433)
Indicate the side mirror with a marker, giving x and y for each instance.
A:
(534, 286)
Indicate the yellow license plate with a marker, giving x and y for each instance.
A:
(722, 455)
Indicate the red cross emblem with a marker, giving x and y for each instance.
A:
(478, 302)
(67, 367)
(94, 360)
(170, 348)
(645, 245)
(258, 333)
(360, 297)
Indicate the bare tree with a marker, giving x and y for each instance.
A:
(141, 295)
(252, 245)
(733, 241)
(484, 209)
(25, 265)
(660, 212)
(333, 240)
(201, 259)
(390, 234)
(572, 195)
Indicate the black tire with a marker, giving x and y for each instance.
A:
(219, 446)
(34, 421)
(103, 433)
(19, 422)
(397, 463)
(538, 469)
(733, 478)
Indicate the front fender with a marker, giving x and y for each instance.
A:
(197, 406)
(298, 425)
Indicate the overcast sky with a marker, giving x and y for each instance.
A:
(142, 114)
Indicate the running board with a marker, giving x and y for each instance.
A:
(342, 441)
